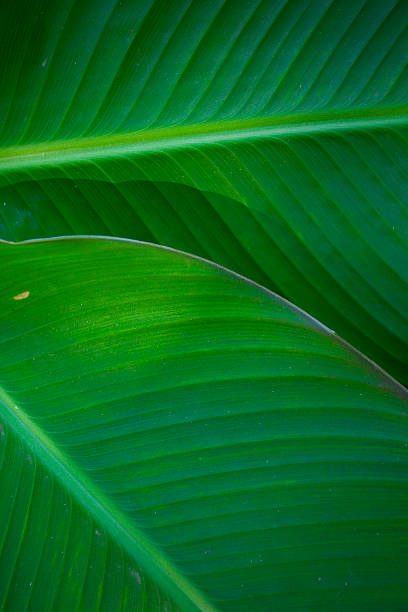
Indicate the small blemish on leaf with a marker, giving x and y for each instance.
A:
(44, 63)
(22, 296)
(136, 575)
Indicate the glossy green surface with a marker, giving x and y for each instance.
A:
(268, 136)
(173, 433)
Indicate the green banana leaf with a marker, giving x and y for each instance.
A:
(268, 136)
(176, 437)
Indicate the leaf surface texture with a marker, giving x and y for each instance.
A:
(270, 137)
(174, 435)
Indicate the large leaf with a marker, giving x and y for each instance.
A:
(173, 433)
(269, 136)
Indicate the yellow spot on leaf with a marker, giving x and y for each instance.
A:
(22, 296)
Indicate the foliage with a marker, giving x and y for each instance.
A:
(173, 435)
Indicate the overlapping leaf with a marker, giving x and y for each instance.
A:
(173, 433)
(268, 136)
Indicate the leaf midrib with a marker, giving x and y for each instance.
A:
(104, 512)
(156, 140)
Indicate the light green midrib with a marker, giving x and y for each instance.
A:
(157, 566)
(148, 141)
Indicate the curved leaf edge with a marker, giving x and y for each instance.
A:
(155, 562)
(391, 382)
